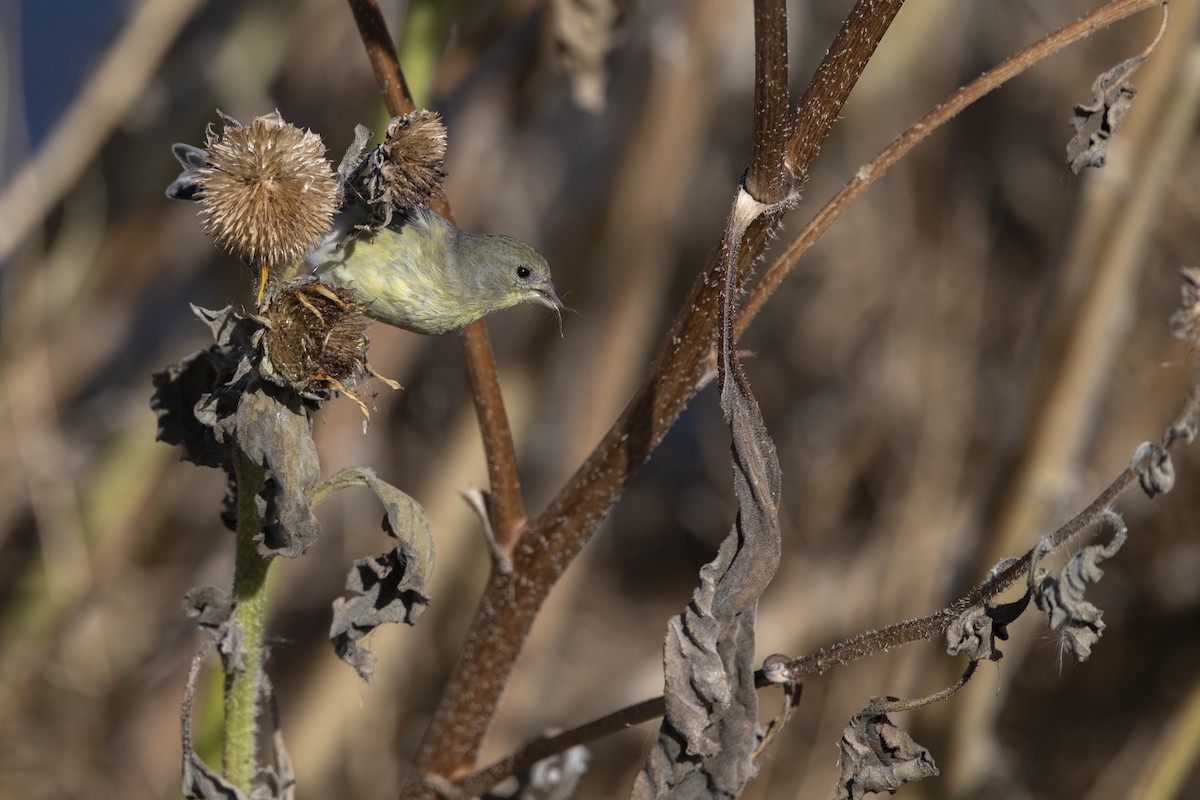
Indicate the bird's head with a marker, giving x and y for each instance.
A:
(504, 272)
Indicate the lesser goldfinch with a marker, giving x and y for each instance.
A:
(418, 271)
(422, 273)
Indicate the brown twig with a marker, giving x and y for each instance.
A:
(546, 746)
(381, 52)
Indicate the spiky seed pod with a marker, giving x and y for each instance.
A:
(406, 171)
(314, 339)
(1185, 322)
(267, 192)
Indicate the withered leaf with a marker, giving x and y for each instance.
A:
(177, 389)
(210, 606)
(274, 430)
(192, 159)
(1095, 123)
(708, 741)
(976, 630)
(389, 587)
(554, 777)
(214, 404)
(1061, 597)
(1158, 476)
(876, 756)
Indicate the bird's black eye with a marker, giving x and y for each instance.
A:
(523, 272)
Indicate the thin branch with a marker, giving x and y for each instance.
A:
(381, 52)
(543, 747)
(505, 508)
(1183, 429)
(940, 115)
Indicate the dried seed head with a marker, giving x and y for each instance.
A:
(1185, 322)
(267, 191)
(314, 339)
(405, 171)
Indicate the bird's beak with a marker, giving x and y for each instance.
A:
(544, 293)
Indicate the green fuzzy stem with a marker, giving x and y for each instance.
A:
(250, 593)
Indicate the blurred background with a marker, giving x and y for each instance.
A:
(965, 360)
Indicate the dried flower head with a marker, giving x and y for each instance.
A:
(314, 339)
(267, 192)
(405, 171)
(1185, 322)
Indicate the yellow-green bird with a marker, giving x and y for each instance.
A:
(424, 274)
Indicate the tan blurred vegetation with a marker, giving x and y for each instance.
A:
(964, 360)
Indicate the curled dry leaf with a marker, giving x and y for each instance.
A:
(709, 738)
(1095, 123)
(389, 587)
(234, 398)
(555, 777)
(1061, 596)
(210, 606)
(876, 756)
(976, 630)
(1158, 475)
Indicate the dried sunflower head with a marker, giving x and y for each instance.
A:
(315, 337)
(406, 171)
(266, 190)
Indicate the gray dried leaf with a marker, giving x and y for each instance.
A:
(274, 430)
(389, 587)
(177, 390)
(276, 781)
(214, 404)
(876, 756)
(1158, 476)
(353, 160)
(210, 606)
(1095, 123)
(707, 745)
(192, 159)
(976, 630)
(1185, 322)
(972, 634)
(1061, 597)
